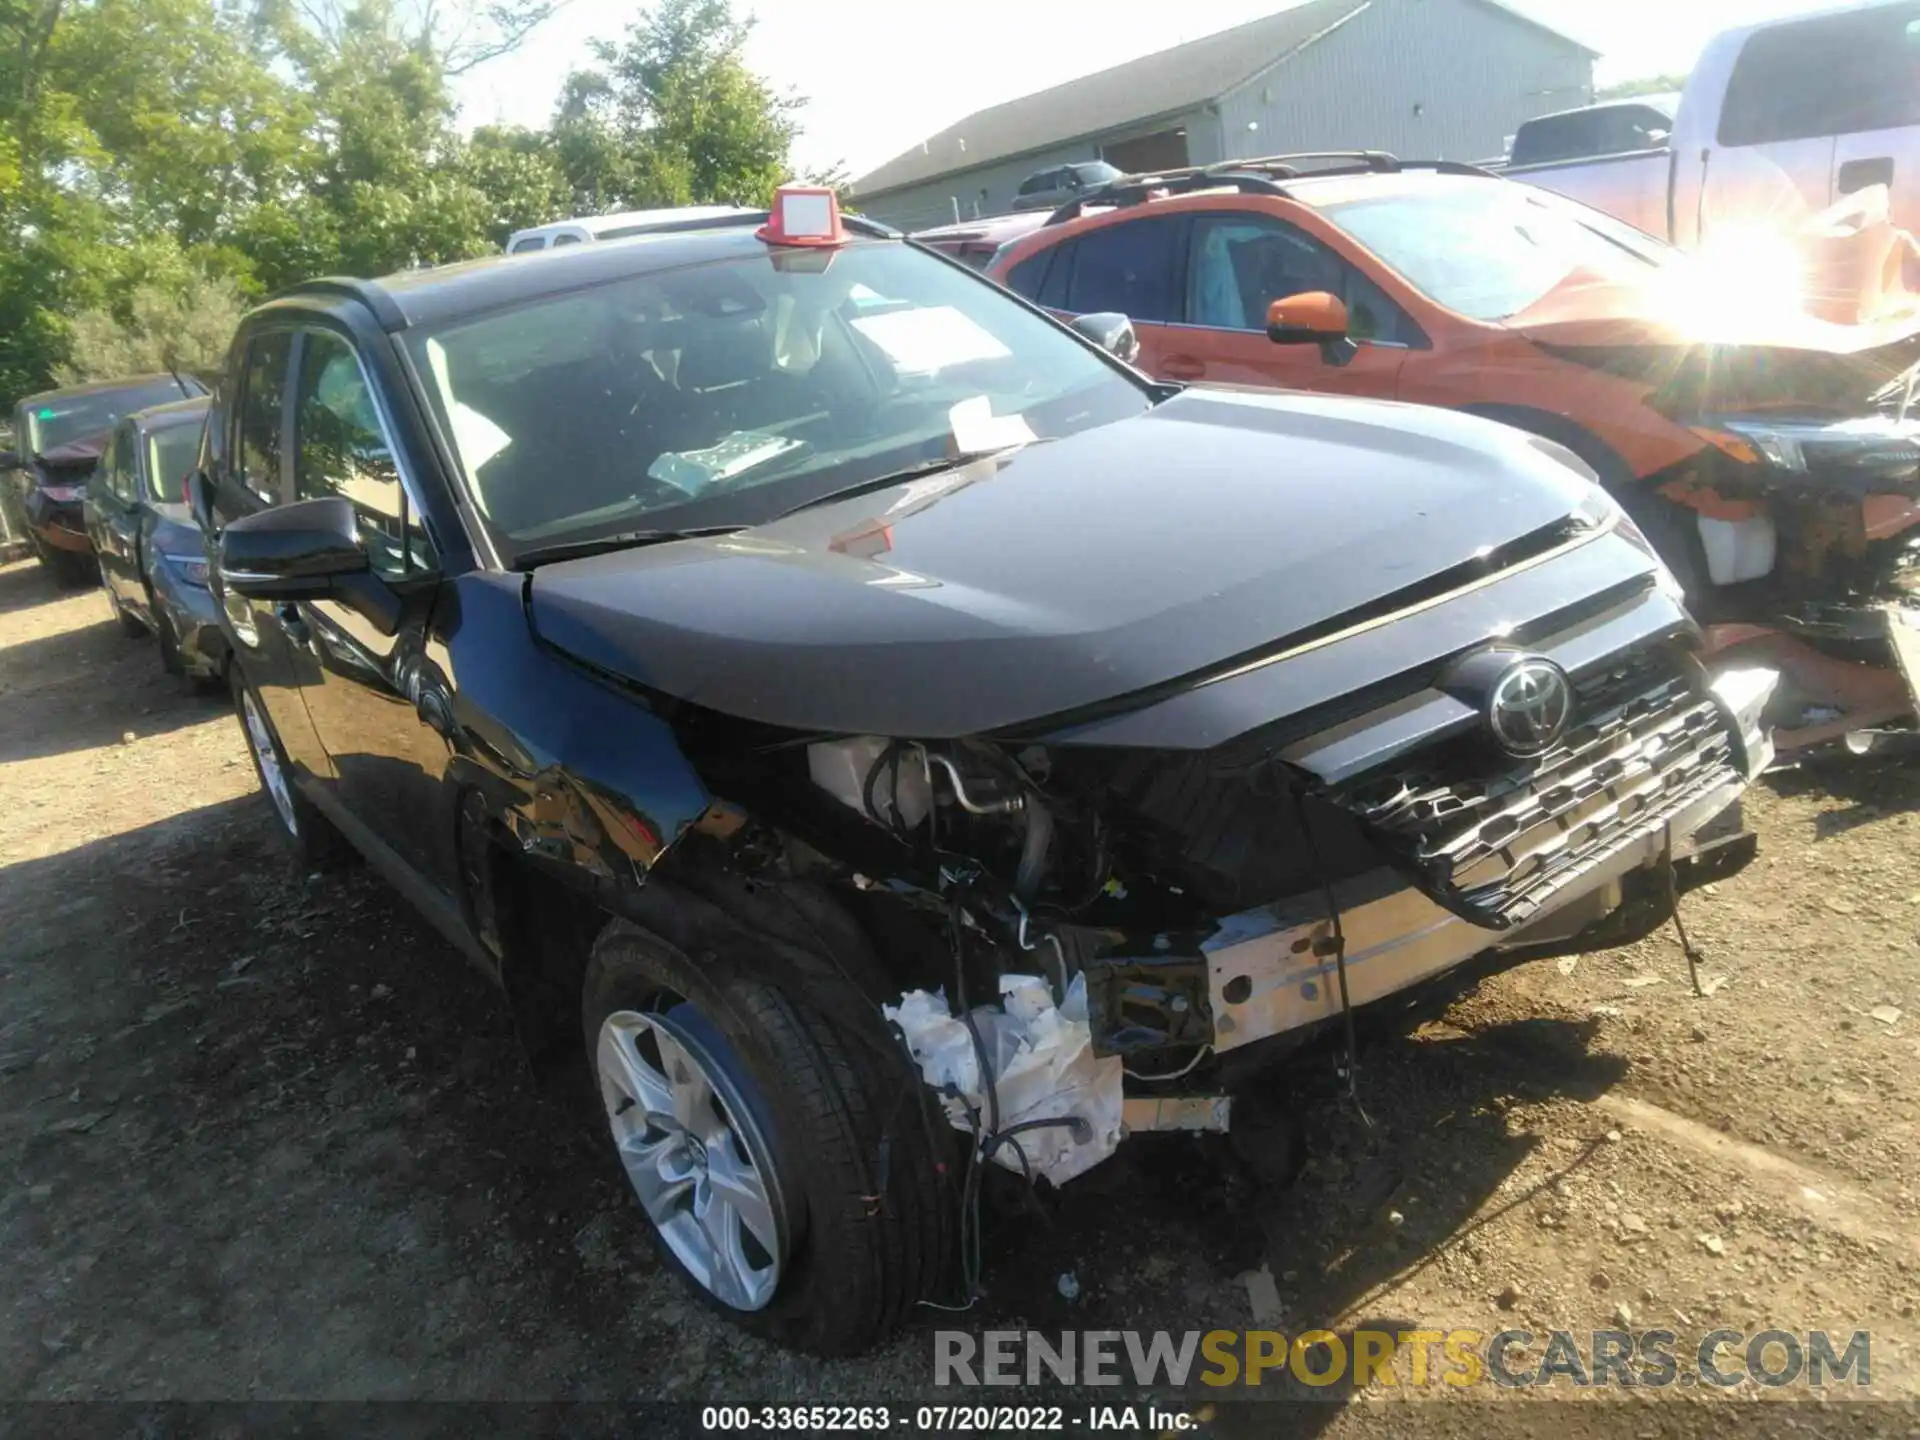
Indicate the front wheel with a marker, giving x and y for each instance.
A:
(315, 843)
(779, 1151)
(72, 569)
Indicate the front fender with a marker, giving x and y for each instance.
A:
(575, 773)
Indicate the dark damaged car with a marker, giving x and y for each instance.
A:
(789, 664)
(153, 566)
(58, 439)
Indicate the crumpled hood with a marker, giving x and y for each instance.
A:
(1591, 309)
(75, 452)
(69, 464)
(1067, 574)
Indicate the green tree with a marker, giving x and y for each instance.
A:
(672, 115)
(182, 328)
(163, 160)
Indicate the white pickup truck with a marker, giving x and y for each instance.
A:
(1776, 123)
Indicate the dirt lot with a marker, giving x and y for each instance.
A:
(265, 1136)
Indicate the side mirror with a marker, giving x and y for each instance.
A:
(292, 551)
(1314, 318)
(1111, 331)
(198, 490)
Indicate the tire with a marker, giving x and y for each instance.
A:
(311, 837)
(170, 660)
(71, 570)
(854, 1164)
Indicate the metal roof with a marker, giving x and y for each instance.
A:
(635, 221)
(472, 287)
(173, 414)
(100, 387)
(1163, 84)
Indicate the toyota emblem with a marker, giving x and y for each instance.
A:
(1529, 706)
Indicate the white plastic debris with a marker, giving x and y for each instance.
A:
(1042, 1061)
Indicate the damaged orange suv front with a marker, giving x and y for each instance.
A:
(1748, 406)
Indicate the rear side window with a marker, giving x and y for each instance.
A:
(263, 389)
(116, 465)
(1030, 274)
(1127, 268)
(1610, 131)
(1834, 76)
(566, 238)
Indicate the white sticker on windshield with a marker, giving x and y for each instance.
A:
(921, 341)
(691, 471)
(977, 429)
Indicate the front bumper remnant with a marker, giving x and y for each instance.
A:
(1272, 970)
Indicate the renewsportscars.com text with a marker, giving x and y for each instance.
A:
(1651, 1359)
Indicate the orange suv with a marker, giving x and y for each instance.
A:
(1766, 453)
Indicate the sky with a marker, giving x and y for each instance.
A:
(880, 75)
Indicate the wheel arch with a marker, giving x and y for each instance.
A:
(1605, 461)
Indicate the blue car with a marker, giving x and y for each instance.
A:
(153, 563)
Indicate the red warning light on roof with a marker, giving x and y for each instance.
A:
(804, 215)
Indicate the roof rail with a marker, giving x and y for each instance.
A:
(1134, 189)
(1451, 167)
(345, 287)
(1248, 177)
(1376, 160)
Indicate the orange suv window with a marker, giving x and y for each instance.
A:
(1241, 263)
(1129, 268)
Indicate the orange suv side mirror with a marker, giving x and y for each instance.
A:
(1314, 318)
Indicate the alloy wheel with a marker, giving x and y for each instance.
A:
(267, 756)
(695, 1151)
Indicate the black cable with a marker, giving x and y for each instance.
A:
(1673, 910)
(1339, 953)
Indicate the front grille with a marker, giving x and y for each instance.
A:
(1494, 838)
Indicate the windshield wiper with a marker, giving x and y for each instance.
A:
(606, 544)
(900, 477)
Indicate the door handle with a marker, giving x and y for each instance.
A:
(1183, 367)
(1859, 174)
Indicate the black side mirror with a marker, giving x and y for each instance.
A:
(1111, 331)
(198, 490)
(293, 551)
(10, 460)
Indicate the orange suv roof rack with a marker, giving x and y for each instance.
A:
(1261, 176)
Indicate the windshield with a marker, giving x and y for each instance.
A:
(1488, 250)
(61, 421)
(729, 392)
(171, 453)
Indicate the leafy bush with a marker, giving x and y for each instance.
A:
(164, 328)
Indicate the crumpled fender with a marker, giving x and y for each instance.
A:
(624, 792)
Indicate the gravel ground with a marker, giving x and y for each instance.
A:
(264, 1136)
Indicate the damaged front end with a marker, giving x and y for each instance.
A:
(1106, 921)
(1800, 522)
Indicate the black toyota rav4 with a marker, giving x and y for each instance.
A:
(875, 734)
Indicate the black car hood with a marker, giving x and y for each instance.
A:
(1065, 575)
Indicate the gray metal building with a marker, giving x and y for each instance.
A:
(1428, 79)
